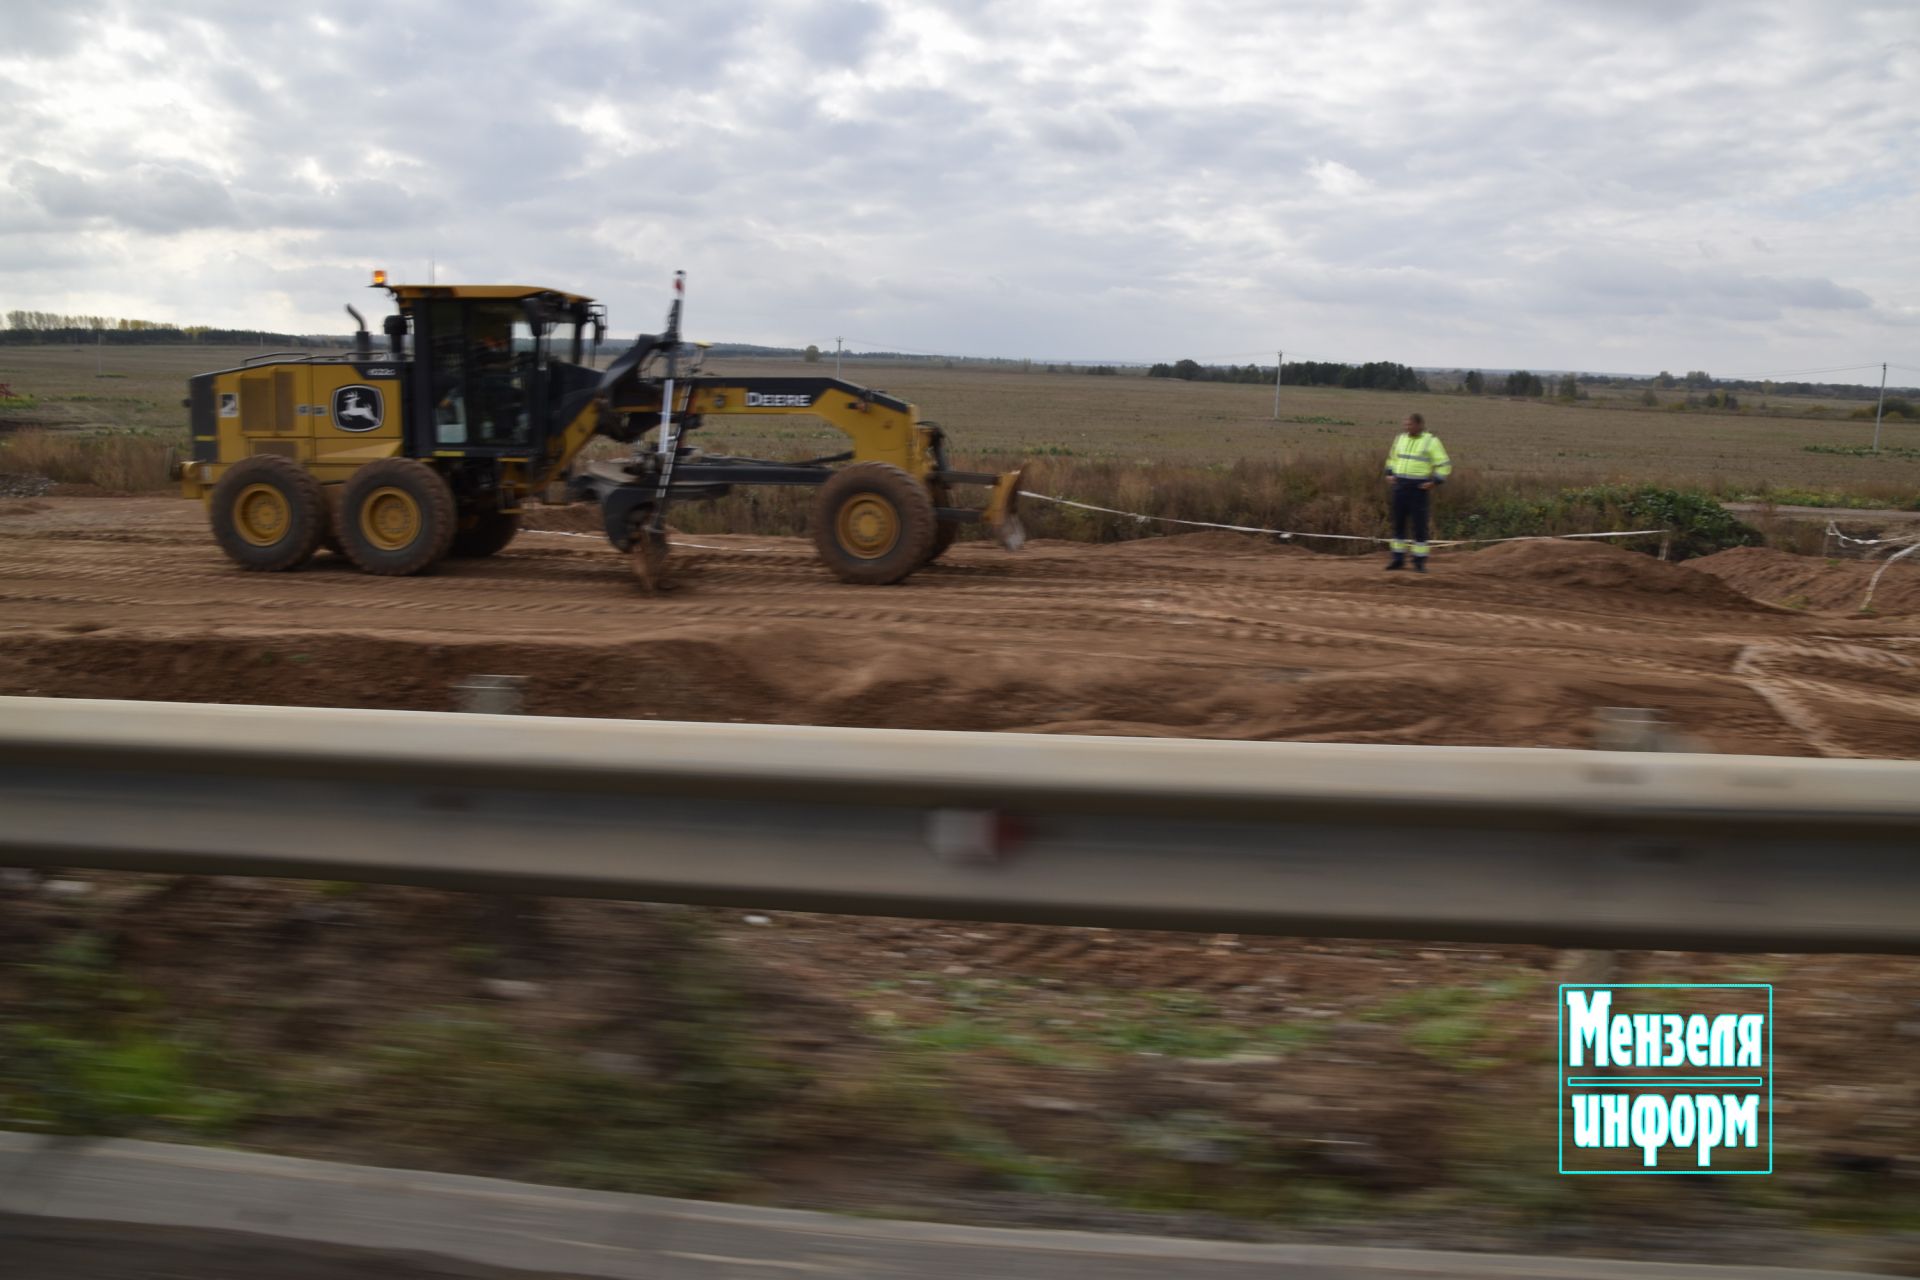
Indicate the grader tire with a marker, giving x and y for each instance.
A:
(944, 534)
(330, 540)
(483, 533)
(397, 517)
(268, 513)
(873, 523)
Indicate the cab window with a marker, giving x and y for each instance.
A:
(484, 361)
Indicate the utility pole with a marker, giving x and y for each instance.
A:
(1279, 366)
(836, 357)
(1881, 405)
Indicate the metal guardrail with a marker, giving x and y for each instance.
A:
(1478, 843)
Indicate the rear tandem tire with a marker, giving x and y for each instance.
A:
(873, 523)
(944, 534)
(483, 533)
(268, 513)
(330, 540)
(397, 517)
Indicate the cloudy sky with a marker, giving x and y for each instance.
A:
(1626, 185)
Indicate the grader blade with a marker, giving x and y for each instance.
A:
(1002, 516)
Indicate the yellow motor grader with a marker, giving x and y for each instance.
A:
(481, 399)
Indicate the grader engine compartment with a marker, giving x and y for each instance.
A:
(486, 396)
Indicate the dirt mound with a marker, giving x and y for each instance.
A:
(1597, 566)
(1809, 582)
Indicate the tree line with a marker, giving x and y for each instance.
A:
(1375, 375)
(49, 328)
(1522, 383)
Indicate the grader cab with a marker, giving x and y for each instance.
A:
(485, 395)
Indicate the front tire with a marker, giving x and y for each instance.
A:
(873, 523)
(268, 513)
(397, 517)
(484, 533)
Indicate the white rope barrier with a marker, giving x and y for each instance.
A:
(1138, 518)
(1910, 542)
(1833, 531)
(1875, 582)
(674, 542)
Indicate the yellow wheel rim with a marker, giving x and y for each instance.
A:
(868, 526)
(390, 519)
(262, 514)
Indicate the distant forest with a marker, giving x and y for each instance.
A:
(48, 328)
(1375, 375)
(1697, 385)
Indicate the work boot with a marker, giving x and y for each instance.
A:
(1398, 562)
(1419, 564)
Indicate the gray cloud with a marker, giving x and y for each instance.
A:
(149, 197)
(1396, 179)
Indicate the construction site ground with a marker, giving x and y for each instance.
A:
(1203, 635)
(1016, 1075)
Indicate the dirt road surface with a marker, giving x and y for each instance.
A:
(1209, 635)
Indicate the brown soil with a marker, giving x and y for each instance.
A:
(1810, 582)
(1595, 566)
(1213, 542)
(1209, 635)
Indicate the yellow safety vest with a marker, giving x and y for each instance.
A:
(1420, 457)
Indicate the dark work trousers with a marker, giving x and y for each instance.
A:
(1411, 506)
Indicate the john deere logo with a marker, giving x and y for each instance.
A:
(357, 408)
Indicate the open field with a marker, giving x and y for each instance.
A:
(1155, 420)
(1153, 425)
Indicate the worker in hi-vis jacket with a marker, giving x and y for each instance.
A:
(1416, 463)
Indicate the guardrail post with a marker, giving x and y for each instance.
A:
(492, 695)
(517, 919)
